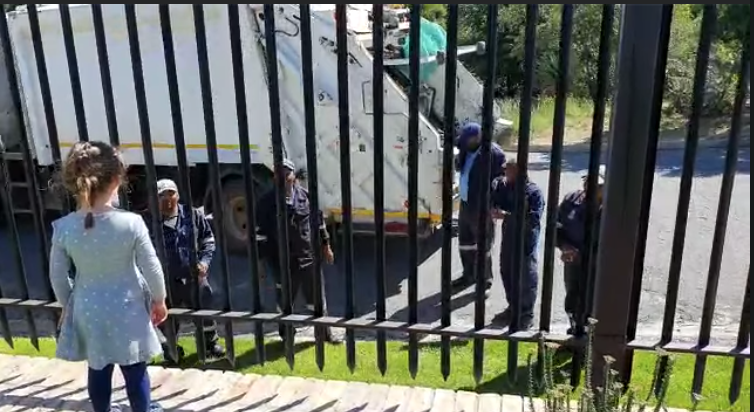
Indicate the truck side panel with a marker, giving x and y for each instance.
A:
(361, 116)
(155, 78)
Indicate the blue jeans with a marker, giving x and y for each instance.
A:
(100, 387)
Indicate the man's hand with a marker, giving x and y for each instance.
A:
(327, 254)
(498, 214)
(569, 255)
(202, 269)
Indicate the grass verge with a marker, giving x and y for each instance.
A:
(578, 122)
(495, 378)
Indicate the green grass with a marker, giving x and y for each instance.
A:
(495, 379)
(578, 124)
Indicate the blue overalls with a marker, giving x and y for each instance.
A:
(504, 198)
(571, 226)
(178, 238)
(468, 163)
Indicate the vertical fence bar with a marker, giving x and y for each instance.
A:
(239, 83)
(591, 223)
(556, 164)
(595, 150)
(107, 85)
(449, 131)
(744, 335)
(648, 183)
(721, 222)
(631, 123)
(44, 85)
(73, 71)
(378, 110)
(15, 244)
(530, 49)
(214, 170)
(488, 101)
(151, 174)
(709, 18)
(180, 152)
(414, 65)
(52, 132)
(307, 73)
(341, 35)
(277, 153)
(35, 194)
(4, 326)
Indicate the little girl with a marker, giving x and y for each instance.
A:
(111, 308)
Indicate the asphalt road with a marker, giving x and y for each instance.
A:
(698, 244)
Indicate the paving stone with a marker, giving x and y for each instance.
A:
(420, 400)
(445, 401)
(30, 384)
(489, 403)
(353, 398)
(397, 399)
(466, 402)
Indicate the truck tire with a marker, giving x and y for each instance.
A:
(234, 214)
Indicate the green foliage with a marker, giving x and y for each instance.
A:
(611, 396)
(732, 36)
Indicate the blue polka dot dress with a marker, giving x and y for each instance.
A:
(107, 304)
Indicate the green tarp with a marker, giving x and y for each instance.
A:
(433, 39)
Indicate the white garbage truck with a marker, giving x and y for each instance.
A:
(287, 20)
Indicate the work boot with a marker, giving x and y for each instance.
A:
(169, 359)
(503, 318)
(214, 350)
(281, 332)
(527, 322)
(465, 282)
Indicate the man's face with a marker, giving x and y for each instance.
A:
(511, 173)
(473, 142)
(168, 201)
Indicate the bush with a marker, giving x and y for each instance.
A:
(610, 397)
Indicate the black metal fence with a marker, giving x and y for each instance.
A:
(641, 60)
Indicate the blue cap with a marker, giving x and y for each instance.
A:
(469, 130)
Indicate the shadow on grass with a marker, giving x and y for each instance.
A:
(273, 351)
(516, 383)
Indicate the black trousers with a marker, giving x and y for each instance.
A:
(575, 288)
(181, 292)
(302, 280)
(468, 232)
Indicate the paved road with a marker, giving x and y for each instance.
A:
(695, 266)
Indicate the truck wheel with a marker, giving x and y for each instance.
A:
(234, 222)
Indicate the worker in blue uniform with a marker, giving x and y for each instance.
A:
(300, 248)
(468, 164)
(504, 207)
(570, 239)
(177, 223)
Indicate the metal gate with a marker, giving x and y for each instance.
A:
(641, 60)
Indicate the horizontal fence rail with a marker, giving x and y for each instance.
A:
(258, 44)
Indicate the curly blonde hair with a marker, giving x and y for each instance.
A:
(89, 170)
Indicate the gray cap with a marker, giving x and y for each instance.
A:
(288, 164)
(164, 185)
